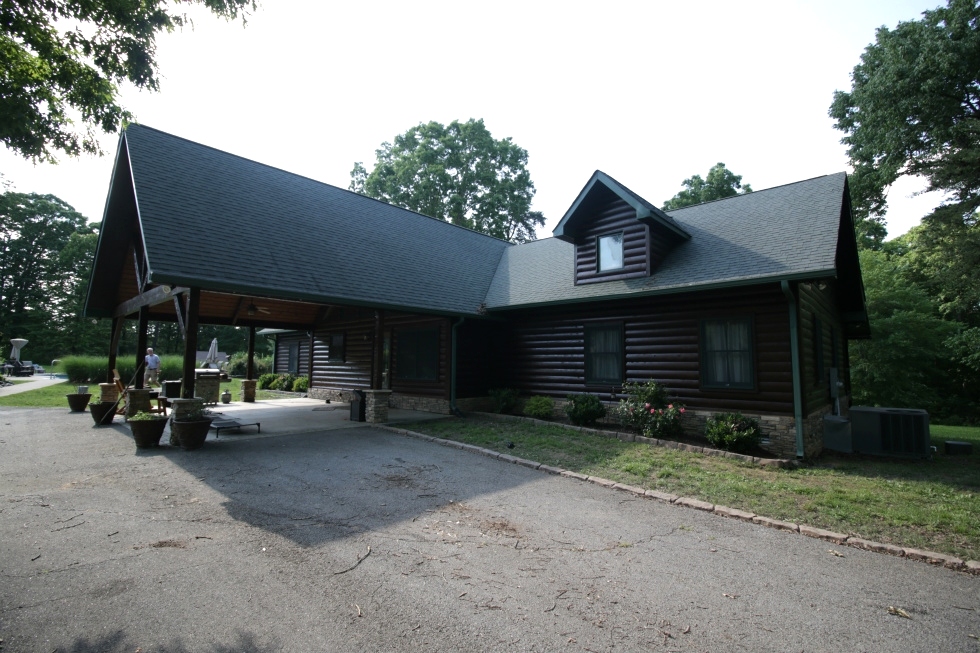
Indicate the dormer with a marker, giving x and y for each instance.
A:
(616, 233)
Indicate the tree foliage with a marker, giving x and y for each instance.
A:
(914, 109)
(458, 173)
(62, 60)
(719, 184)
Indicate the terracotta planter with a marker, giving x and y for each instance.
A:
(103, 412)
(77, 402)
(191, 434)
(147, 432)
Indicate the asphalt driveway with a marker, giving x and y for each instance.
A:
(358, 539)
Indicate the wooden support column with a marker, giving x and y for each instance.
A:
(309, 359)
(117, 327)
(190, 344)
(141, 346)
(377, 354)
(250, 365)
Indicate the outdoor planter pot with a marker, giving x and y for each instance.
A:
(103, 412)
(147, 432)
(78, 402)
(191, 433)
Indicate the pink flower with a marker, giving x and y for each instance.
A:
(647, 405)
(670, 405)
(682, 410)
(653, 411)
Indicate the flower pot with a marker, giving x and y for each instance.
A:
(191, 434)
(78, 402)
(147, 432)
(103, 412)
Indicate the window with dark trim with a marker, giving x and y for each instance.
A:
(417, 354)
(609, 252)
(292, 363)
(727, 353)
(335, 350)
(604, 354)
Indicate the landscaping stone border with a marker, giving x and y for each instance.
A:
(840, 539)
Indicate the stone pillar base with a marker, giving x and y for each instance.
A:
(183, 408)
(108, 392)
(376, 406)
(139, 400)
(248, 390)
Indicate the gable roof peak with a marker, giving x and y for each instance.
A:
(595, 191)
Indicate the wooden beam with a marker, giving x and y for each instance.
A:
(250, 365)
(117, 328)
(141, 345)
(238, 311)
(151, 297)
(377, 353)
(190, 344)
(181, 310)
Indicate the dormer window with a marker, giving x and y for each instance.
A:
(610, 254)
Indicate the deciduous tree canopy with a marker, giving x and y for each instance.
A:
(720, 183)
(458, 173)
(914, 109)
(61, 62)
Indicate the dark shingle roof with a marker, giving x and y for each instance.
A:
(788, 232)
(222, 222)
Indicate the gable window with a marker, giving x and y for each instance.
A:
(727, 353)
(417, 354)
(604, 354)
(610, 252)
(335, 353)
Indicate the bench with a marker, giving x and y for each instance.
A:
(226, 423)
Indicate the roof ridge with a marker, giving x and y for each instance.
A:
(756, 192)
(315, 181)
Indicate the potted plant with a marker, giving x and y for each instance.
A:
(189, 423)
(103, 412)
(77, 401)
(147, 428)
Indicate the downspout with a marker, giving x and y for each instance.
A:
(452, 373)
(794, 330)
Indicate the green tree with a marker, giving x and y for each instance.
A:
(62, 60)
(458, 173)
(914, 109)
(35, 280)
(720, 183)
(905, 364)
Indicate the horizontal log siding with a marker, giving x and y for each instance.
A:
(820, 304)
(662, 342)
(281, 365)
(437, 388)
(354, 372)
(616, 216)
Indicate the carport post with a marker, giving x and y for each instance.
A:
(141, 344)
(250, 365)
(117, 327)
(190, 345)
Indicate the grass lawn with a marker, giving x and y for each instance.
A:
(53, 396)
(929, 504)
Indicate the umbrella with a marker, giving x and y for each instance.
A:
(18, 344)
(212, 358)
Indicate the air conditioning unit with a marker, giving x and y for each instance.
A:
(890, 431)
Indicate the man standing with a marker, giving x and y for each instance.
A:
(152, 368)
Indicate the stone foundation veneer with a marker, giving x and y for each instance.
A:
(376, 406)
(248, 390)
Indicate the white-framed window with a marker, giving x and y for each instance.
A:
(610, 252)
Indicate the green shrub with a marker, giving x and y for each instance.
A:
(94, 369)
(266, 381)
(648, 410)
(301, 384)
(504, 399)
(539, 407)
(237, 364)
(283, 382)
(732, 432)
(584, 409)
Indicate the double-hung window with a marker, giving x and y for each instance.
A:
(335, 352)
(604, 354)
(727, 353)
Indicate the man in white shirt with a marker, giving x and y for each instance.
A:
(152, 368)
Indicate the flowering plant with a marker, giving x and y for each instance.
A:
(647, 410)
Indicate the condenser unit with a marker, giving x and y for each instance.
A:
(890, 431)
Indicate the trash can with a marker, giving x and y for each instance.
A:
(357, 406)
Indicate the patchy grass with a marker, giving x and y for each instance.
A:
(930, 504)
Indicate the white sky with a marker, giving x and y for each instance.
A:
(650, 92)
